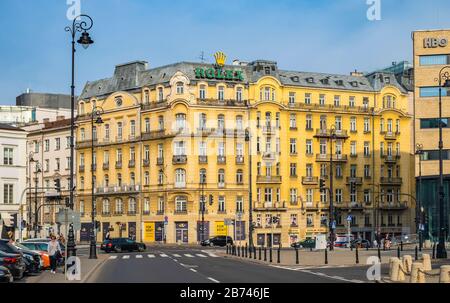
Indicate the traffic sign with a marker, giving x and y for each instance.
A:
(166, 220)
(349, 218)
(333, 225)
(228, 222)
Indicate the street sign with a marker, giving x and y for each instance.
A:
(67, 216)
(333, 225)
(239, 216)
(166, 220)
(349, 218)
(228, 222)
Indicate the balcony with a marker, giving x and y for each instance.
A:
(326, 133)
(160, 161)
(81, 168)
(180, 159)
(269, 130)
(394, 206)
(131, 213)
(336, 158)
(146, 162)
(131, 164)
(123, 189)
(391, 135)
(391, 158)
(85, 143)
(203, 159)
(310, 180)
(391, 181)
(268, 179)
(331, 107)
(217, 102)
(105, 166)
(269, 156)
(180, 212)
(118, 165)
(153, 105)
(239, 159)
(221, 159)
(270, 206)
(93, 167)
(154, 135)
(356, 180)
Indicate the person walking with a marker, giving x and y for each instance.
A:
(54, 252)
(61, 239)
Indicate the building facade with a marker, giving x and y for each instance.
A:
(49, 145)
(20, 116)
(12, 178)
(167, 129)
(431, 55)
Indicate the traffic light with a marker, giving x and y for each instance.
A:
(352, 187)
(14, 220)
(322, 183)
(58, 185)
(211, 199)
(97, 224)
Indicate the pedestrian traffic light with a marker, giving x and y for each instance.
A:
(58, 185)
(97, 224)
(322, 183)
(211, 199)
(14, 220)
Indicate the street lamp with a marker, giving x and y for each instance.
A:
(248, 138)
(444, 82)
(202, 203)
(419, 208)
(36, 216)
(97, 111)
(82, 24)
(30, 160)
(332, 217)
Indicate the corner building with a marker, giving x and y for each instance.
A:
(167, 128)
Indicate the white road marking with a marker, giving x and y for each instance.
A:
(138, 256)
(200, 255)
(191, 269)
(176, 255)
(214, 280)
(113, 257)
(189, 255)
(151, 256)
(126, 257)
(320, 274)
(164, 255)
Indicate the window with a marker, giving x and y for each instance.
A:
(239, 149)
(366, 149)
(365, 102)
(119, 206)
(221, 204)
(221, 178)
(146, 153)
(323, 147)
(434, 60)
(268, 195)
(132, 178)
(106, 181)
(132, 205)
(309, 147)
(119, 179)
(67, 162)
(353, 124)
(202, 148)
(293, 169)
(431, 155)
(180, 204)
(239, 94)
(381, 125)
(309, 169)
(58, 164)
(221, 149)
(160, 94)
(307, 98)
(239, 176)
(202, 122)
(132, 128)
(367, 171)
(367, 196)
(337, 101)
(105, 207)
(119, 156)
(180, 148)
(239, 123)
(82, 183)
(94, 132)
(8, 156)
(309, 220)
(180, 88)
(180, 121)
(239, 204)
(221, 122)
(308, 122)
(8, 190)
(338, 171)
(291, 98)
(146, 206)
(397, 126)
(293, 195)
(161, 177)
(323, 196)
(47, 145)
(202, 92)
(160, 123)
(433, 92)
(277, 120)
(366, 125)
(338, 123)
(294, 220)
(68, 142)
(322, 99)
(309, 195)
(351, 101)
(293, 121)
(82, 208)
(338, 195)
(221, 93)
(180, 178)
(119, 130)
(36, 146)
(434, 123)
(277, 145)
(57, 143)
(146, 97)
(107, 132)
(293, 146)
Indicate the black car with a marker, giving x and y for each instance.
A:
(308, 243)
(119, 245)
(31, 259)
(5, 275)
(218, 241)
(14, 263)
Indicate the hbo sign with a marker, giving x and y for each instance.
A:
(434, 42)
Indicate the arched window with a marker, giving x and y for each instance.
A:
(106, 207)
(180, 88)
(180, 178)
(180, 120)
(81, 108)
(202, 176)
(119, 206)
(267, 94)
(180, 204)
(132, 206)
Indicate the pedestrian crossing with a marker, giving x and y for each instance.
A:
(163, 255)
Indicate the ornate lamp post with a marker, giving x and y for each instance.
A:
(332, 217)
(248, 139)
(30, 160)
(97, 111)
(81, 24)
(419, 208)
(444, 82)
(36, 182)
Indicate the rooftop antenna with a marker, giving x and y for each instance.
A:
(202, 57)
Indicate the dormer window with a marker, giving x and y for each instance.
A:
(325, 81)
(387, 80)
(354, 83)
(119, 101)
(339, 82)
(267, 70)
(180, 88)
(160, 94)
(295, 79)
(146, 97)
(310, 80)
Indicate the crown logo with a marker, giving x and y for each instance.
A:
(221, 58)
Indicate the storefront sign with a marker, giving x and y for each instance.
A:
(218, 74)
(434, 42)
(221, 228)
(149, 232)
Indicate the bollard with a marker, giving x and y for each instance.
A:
(417, 274)
(326, 256)
(228, 249)
(407, 263)
(398, 252)
(310, 249)
(401, 245)
(367, 247)
(234, 250)
(445, 274)
(434, 251)
(416, 254)
(254, 252)
(239, 251)
(250, 251)
(270, 254)
(297, 261)
(357, 255)
(259, 250)
(426, 262)
(395, 272)
(265, 254)
(246, 250)
(278, 255)
(379, 254)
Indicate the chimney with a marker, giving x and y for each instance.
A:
(236, 62)
(59, 118)
(356, 73)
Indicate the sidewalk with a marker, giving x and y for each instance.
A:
(88, 266)
(337, 257)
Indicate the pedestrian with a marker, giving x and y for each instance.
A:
(375, 243)
(54, 252)
(61, 239)
(108, 236)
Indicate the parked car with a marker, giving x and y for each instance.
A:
(42, 249)
(217, 241)
(343, 240)
(308, 243)
(31, 258)
(119, 245)
(5, 275)
(14, 263)
(361, 243)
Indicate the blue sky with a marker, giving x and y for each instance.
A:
(321, 36)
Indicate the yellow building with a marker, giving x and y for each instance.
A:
(166, 127)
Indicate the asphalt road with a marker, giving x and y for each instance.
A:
(190, 265)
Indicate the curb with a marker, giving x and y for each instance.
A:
(93, 269)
